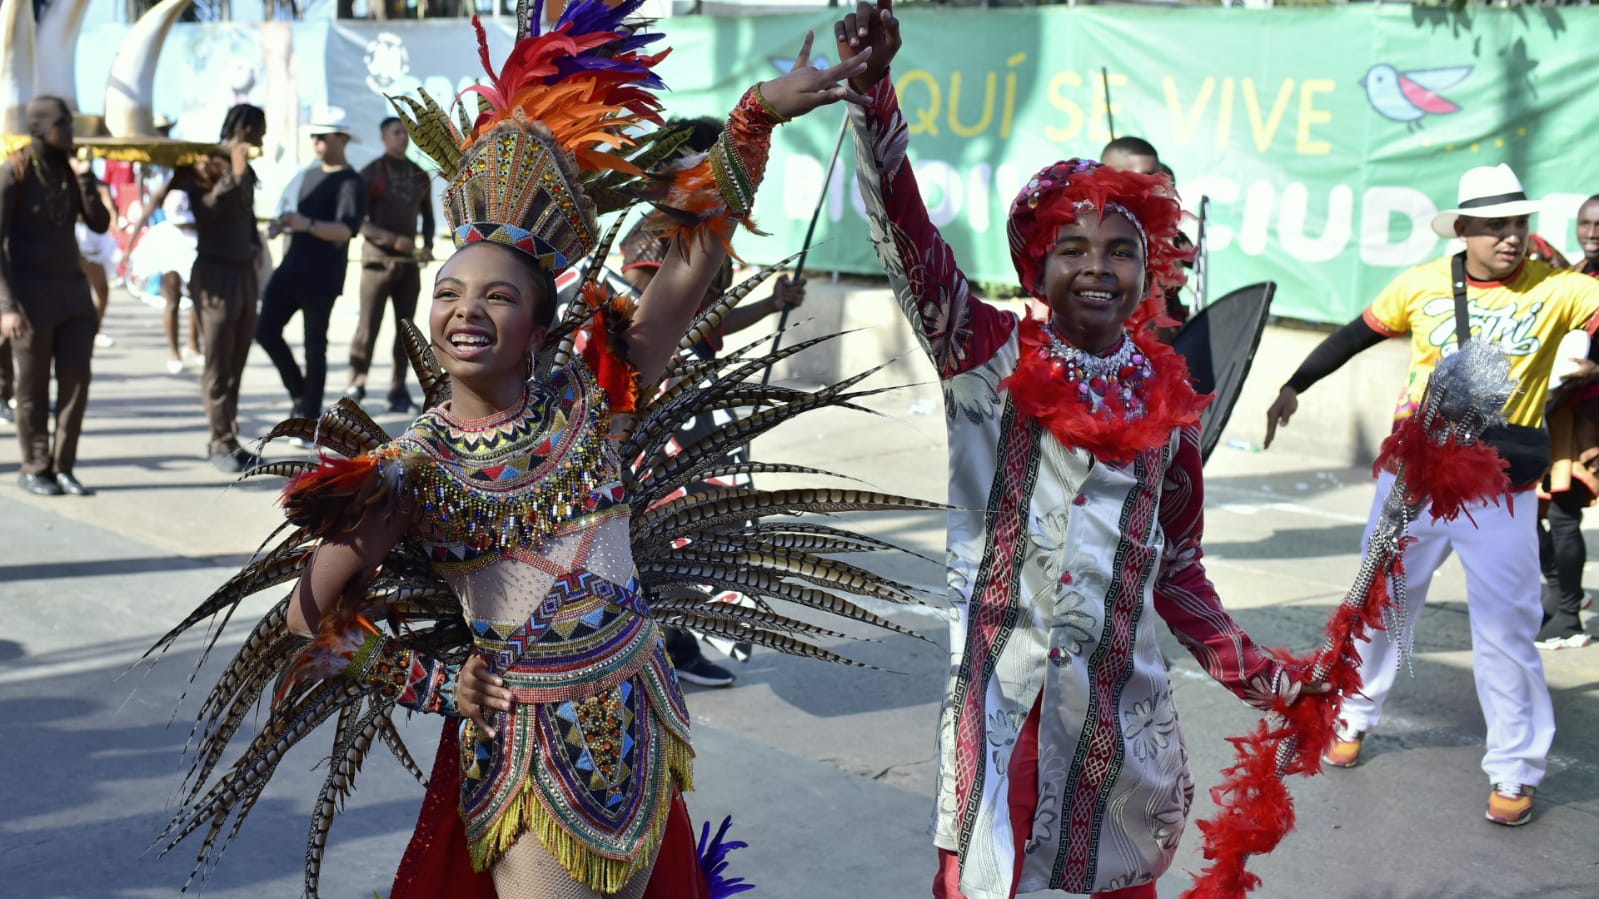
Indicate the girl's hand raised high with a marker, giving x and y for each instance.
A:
(804, 88)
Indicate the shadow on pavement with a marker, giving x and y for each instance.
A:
(102, 770)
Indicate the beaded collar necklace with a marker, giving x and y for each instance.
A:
(1119, 373)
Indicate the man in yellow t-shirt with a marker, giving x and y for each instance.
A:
(1525, 314)
(1525, 307)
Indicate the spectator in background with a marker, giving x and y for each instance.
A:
(46, 312)
(1131, 154)
(311, 275)
(397, 195)
(222, 280)
(1573, 479)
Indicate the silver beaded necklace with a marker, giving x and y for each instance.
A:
(1098, 378)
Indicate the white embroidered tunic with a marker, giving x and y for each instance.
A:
(1059, 565)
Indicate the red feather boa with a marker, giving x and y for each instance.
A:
(1040, 390)
(1255, 810)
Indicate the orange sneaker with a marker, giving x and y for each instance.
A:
(1510, 804)
(1345, 753)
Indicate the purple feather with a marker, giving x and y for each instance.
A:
(713, 861)
(590, 16)
(594, 17)
(535, 19)
(570, 65)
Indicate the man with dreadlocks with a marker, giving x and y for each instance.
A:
(46, 312)
(223, 281)
(1076, 478)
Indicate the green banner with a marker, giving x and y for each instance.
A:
(1324, 139)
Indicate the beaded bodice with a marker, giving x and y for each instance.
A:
(507, 486)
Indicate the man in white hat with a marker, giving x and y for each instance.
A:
(311, 276)
(1525, 307)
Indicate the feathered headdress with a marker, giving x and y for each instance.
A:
(1062, 190)
(545, 152)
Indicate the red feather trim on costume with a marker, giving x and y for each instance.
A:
(693, 202)
(605, 350)
(338, 636)
(1040, 390)
(336, 496)
(1452, 475)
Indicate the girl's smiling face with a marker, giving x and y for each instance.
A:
(481, 322)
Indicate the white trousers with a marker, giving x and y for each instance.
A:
(1500, 555)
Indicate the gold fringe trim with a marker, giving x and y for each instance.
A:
(525, 814)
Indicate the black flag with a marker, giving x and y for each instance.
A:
(1219, 342)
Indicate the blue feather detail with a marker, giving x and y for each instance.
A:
(713, 861)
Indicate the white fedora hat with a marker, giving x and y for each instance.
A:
(1486, 192)
(328, 120)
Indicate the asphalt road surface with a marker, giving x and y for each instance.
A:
(827, 771)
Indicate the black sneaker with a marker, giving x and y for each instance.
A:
(400, 401)
(703, 672)
(355, 392)
(235, 461)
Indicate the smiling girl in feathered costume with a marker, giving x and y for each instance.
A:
(1075, 469)
(509, 588)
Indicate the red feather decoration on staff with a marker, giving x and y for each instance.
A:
(1437, 463)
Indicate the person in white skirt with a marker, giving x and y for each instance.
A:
(164, 255)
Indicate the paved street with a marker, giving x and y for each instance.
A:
(828, 772)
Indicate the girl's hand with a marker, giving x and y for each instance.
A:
(478, 694)
(804, 88)
(868, 30)
(788, 293)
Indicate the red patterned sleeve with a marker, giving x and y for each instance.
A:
(958, 331)
(1186, 599)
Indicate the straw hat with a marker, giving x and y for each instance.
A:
(1486, 192)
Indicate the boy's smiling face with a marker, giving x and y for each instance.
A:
(1094, 279)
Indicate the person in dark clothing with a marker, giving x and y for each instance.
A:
(396, 194)
(1573, 479)
(8, 382)
(644, 249)
(311, 275)
(46, 312)
(223, 281)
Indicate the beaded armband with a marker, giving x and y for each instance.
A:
(738, 161)
(399, 673)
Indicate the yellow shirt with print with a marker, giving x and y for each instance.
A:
(1525, 316)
